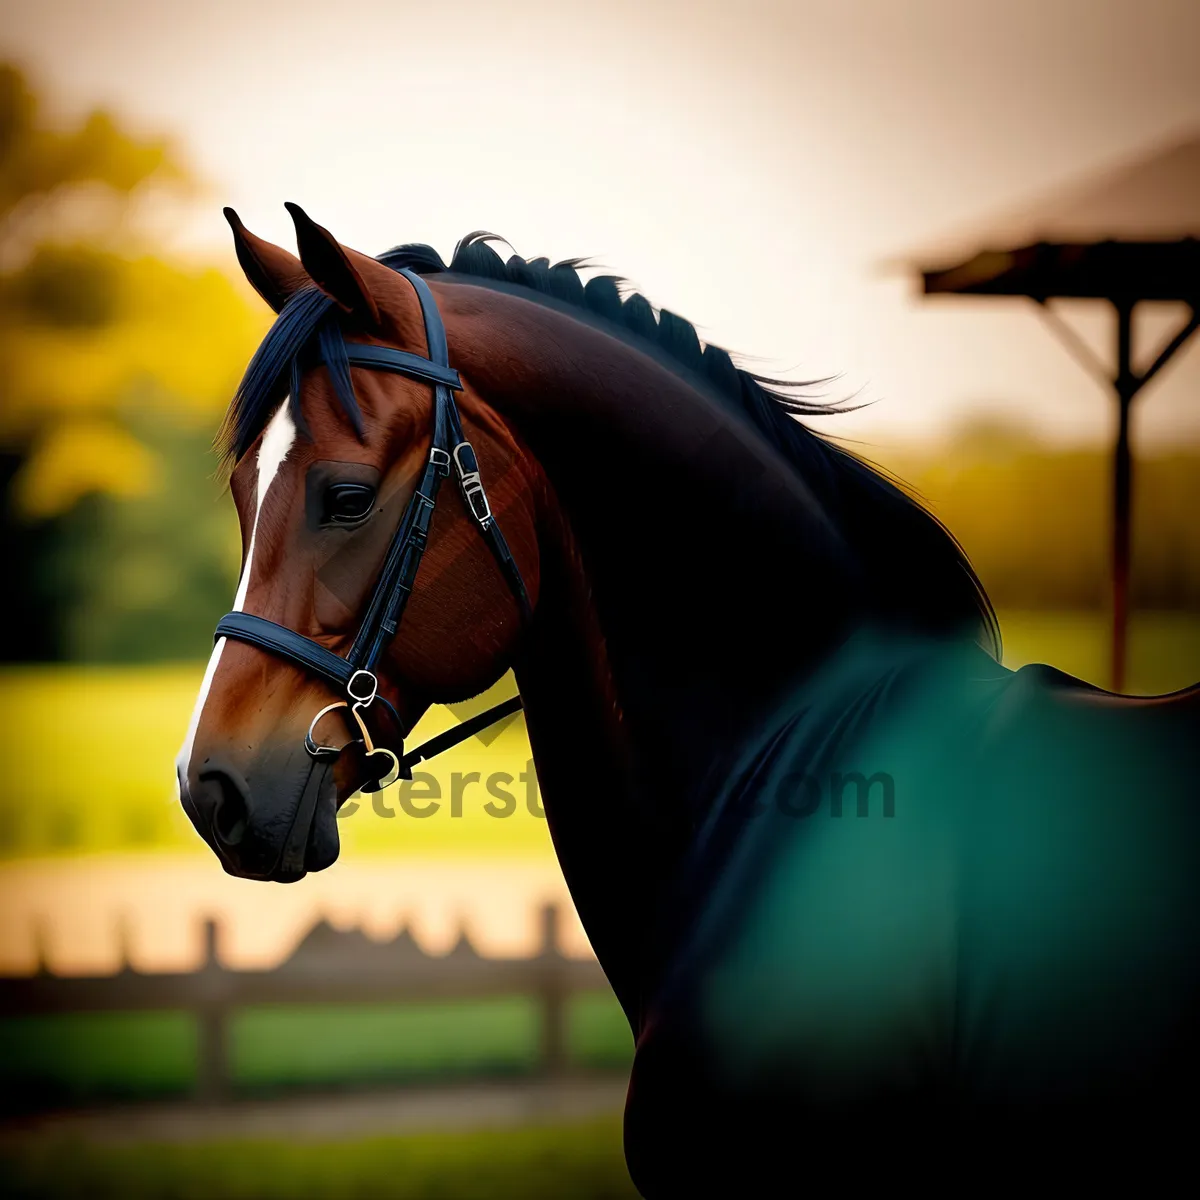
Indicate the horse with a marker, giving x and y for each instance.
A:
(873, 905)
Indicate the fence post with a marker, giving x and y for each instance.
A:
(212, 1023)
(554, 1051)
(41, 947)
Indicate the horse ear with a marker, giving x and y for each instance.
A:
(273, 273)
(330, 268)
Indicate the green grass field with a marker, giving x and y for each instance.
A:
(96, 772)
(582, 1162)
(90, 1058)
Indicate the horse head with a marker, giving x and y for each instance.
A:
(327, 458)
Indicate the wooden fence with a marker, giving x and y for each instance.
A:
(328, 967)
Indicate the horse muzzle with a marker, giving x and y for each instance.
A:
(275, 825)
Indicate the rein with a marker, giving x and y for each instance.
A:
(355, 674)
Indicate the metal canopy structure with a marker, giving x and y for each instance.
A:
(1128, 237)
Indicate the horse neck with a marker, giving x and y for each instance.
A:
(690, 576)
(584, 760)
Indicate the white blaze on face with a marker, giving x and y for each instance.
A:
(276, 442)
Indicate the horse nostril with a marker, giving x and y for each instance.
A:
(232, 810)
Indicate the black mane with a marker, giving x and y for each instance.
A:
(920, 571)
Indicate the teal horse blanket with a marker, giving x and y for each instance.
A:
(935, 893)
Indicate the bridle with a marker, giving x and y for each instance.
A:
(355, 673)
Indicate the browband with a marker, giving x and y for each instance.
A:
(384, 358)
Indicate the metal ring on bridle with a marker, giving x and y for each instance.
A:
(392, 773)
(372, 691)
(319, 752)
(388, 777)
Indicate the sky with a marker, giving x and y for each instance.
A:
(754, 166)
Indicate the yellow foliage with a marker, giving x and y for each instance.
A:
(88, 327)
(174, 335)
(80, 456)
(188, 332)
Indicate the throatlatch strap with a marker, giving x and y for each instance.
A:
(470, 727)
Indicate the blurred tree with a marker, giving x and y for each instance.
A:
(103, 347)
(152, 575)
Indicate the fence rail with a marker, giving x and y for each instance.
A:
(328, 967)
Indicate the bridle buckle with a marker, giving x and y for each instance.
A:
(470, 484)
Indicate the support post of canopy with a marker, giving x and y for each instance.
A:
(1127, 385)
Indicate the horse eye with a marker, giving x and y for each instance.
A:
(346, 503)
